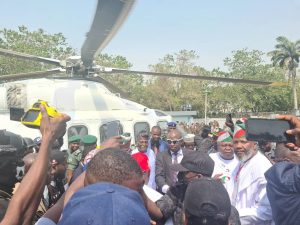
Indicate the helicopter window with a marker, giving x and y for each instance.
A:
(164, 127)
(110, 129)
(162, 124)
(141, 126)
(80, 130)
(158, 113)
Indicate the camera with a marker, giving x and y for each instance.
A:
(32, 117)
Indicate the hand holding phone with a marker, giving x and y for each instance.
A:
(294, 131)
(270, 130)
(229, 122)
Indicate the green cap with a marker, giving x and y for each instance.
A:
(89, 139)
(75, 138)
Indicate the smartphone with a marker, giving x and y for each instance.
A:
(270, 130)
(229, 118)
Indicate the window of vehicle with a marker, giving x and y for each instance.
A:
(159, 113)
(110, 129)
(162, 124)
(164, 128)
(80, 130)
(141, 126)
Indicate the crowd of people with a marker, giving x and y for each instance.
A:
(205, 178)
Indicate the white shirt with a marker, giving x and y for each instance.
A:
(227, 168)
(179, 156)
(45, 221)
(249, 195)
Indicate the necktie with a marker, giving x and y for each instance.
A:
(175, 158)
(174, 174)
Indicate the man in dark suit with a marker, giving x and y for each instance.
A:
(164, 175)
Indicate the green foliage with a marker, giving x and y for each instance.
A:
(113, 61)
(37, 43)
(171, 93)
(249, 98)
(286, 55)
(167, 93)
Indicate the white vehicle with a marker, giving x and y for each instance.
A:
(92, 107)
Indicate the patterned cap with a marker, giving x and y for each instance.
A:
(224, 136)
(240, 128)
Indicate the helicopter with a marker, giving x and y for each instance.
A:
(77, 88)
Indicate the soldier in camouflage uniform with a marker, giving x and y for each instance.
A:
(89, 143)
(74, 156)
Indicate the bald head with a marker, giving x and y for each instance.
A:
(155, 128)
(155, 133)
(29, 160)
(174, 134)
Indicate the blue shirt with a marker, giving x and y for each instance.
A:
(283, 190)
(163, 146)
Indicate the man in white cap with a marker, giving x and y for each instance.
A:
(249, 193)
(226, 162)
(189, 141)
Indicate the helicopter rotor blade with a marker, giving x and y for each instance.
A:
(38, 74)
(109, 16)
(197, 77)
(109, 85)
(20, 55)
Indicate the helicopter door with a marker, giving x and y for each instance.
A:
(110, 129)
(80, 130)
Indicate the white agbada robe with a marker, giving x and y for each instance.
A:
(249, 195)
(227, 168)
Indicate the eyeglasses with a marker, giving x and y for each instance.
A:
(174, 142)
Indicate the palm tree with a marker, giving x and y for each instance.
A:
(286, 55)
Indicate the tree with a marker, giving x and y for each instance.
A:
(241, 98)
(37, 43)
(132, 84)
(171, 93)
(286, 55)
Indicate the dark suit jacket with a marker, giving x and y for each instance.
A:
(163, 172)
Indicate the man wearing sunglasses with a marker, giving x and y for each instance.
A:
(164, 175)
(193, 166)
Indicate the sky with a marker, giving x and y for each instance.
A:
(213, 28)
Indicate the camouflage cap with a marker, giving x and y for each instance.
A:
(89, 139)
(75, 138)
